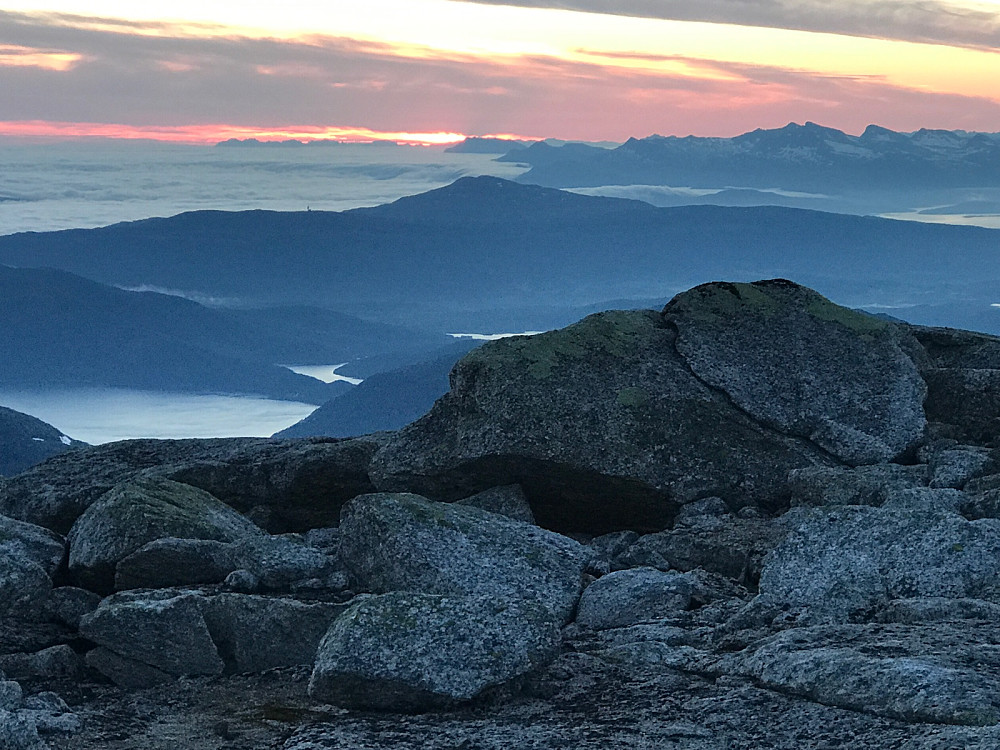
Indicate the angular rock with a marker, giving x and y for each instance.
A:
(139, 512)
(291, 485)
(168, 634)
(33, 543)
(413, 652)
(861, 485)
(279, 562)
(629, 597)
(18, 732)
(11, 695)
(602, 423)
(51, 714)
(926, 499)
(955, 467)
(962, 372)
(403, 542)
(167, 562)
(853, 389)
(844, 564)
(734, 548)
(124, 672)
(68, 604)
(49, 664)
(24, 586)
(508, 501)
(982, 505)
(255, 633)
(893, 671)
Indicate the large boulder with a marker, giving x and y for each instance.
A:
(962, 371)
(846, 563)
(136, 513)
(287, 485)
(403, 542)
(602, 423)
(629, 597)
(255, 633)
(167, 633)
(795, 361)
(410, 652)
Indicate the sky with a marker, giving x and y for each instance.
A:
(434, 71)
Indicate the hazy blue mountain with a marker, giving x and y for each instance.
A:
(493, 250)
(476, 145)
(796, 157)
(62, 330)
(384, 401)
(26, 441)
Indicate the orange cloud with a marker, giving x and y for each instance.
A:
(16, 56)
(212, 133)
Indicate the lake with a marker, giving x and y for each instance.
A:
(102, 415)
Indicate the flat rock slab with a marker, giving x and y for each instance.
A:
(944, 674)
(414, 652)
(404, 542)
(794, 360)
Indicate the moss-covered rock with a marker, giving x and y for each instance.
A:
(602, 423)
(138, 512)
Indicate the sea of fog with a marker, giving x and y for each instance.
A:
(70, 185)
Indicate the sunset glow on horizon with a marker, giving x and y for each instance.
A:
(435, 71)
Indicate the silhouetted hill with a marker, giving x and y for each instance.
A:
(798, 157)
(474, 145)
(384, 401)
(61, 330)
(485, 244)
(26, 441)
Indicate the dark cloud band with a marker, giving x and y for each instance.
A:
(930, 21)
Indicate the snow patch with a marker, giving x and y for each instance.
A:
(65, 440)
(39, 440)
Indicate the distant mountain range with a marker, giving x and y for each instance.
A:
(487, 255)
(796, 157)
(26, 441)
(60, 330)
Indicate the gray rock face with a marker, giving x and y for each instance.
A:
(629, 597)
(914, 675)
(732, 547)
(287, 485)
(139, 512)
(862, 485)
(401, 542)
(167, 562)
(962, 371)
(602, 423)
(409, 652)
(34, 543)
(168, 634)
(845, 563)
(507, 501)
(795, 361)
(255, 633)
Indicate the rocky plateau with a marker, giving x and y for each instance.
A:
(754, 519)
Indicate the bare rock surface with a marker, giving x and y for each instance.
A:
(602, 423)
(411, 652)
(844, 563)
(289, 485)
(794, 360)
(404, 542)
